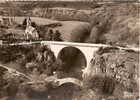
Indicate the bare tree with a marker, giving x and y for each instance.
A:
(13, 10)
(45, 7)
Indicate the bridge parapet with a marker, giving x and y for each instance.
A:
(76, 44)
(89, 45)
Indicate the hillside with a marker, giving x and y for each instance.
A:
(112, 23)
(116, 24)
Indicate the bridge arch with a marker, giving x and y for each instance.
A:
(73, 60)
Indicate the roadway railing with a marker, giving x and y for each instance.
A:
(74, 44)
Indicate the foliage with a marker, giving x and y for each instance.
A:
(113, 24)
(118, 69)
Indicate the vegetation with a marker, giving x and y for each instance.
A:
(112, 23)
(116, 76)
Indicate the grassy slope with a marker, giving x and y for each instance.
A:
(70, 30)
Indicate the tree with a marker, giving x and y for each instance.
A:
(13, 11)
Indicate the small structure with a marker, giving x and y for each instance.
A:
(1, 42)
(30, 31)
(1, 20)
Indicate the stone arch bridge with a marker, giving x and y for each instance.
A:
(86, 48)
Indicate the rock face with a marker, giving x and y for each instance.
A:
(100, 84)
(121, 65)
(115, 24)
(114, 72)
